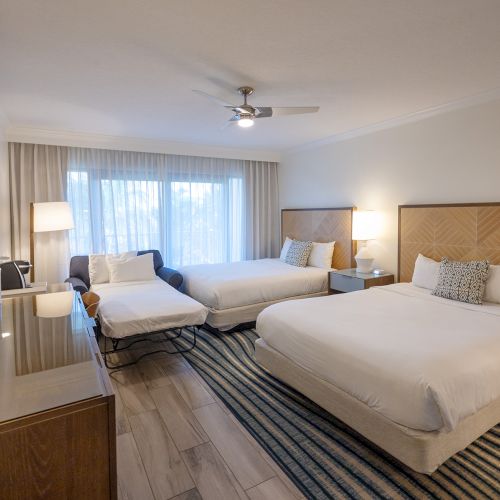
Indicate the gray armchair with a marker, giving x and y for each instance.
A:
(79, 271)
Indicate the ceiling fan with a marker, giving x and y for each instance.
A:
(245, 114)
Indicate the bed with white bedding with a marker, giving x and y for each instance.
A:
(138, 307)
(237, 292)
(417, 374)
(422, 361)
(228, 288)
(424, 364)
(144, 311)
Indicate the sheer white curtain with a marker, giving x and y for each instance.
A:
(38, 173)
(193, 209)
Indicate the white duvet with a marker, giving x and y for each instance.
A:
(422, 361)
(134, 307)
(235, 284)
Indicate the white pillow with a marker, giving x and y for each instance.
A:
(426, 272)
(321, 255)
(140, 268)
(98, 267)
(492, 290)
(286, 247)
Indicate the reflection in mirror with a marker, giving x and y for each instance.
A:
(53, 305)
(42, 332)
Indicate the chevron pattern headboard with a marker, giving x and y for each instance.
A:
(322, 225)
(468, 231)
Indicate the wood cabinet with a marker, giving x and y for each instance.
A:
(57, 408)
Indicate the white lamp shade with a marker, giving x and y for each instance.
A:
(365, 225)
(54, 305)
(52, 216)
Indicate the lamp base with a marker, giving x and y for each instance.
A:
(364, 260)
(364, 265)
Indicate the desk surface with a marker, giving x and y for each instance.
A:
(46, 358)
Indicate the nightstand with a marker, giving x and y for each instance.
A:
(349, 280)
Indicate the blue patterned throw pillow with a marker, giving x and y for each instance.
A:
(462, 281)
(298, 253)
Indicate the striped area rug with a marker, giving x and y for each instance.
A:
(320, 454)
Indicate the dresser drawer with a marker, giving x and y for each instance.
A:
(346, 283)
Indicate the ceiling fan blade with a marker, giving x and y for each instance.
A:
(214, 99)
(297, 110)
(242, 111)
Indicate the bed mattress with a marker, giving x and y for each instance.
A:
(422, 361)
(136, 307)
(236, 284)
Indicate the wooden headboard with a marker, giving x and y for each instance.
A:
(322, 225)
(466, 231)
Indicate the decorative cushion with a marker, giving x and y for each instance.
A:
(298, 253)
(462, 281)
(321, 255)
(157, 260)
(138, 268)
(91, 302)
(426, 272)
(286, 247)
(98, 267)
(492, 291)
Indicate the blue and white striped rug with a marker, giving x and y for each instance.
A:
(320, 454)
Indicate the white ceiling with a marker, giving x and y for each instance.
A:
(127, 67)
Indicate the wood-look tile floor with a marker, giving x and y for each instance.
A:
(177, 440)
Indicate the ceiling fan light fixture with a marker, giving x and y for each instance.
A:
(245, 121)
(245, 113)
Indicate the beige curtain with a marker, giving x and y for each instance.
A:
(38, 173)
(192, 209)
(262, 226)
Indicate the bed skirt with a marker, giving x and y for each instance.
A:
(423, 451)
(225, 319)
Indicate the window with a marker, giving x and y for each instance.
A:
(194, 220)
(78, 196)
(131, 215)
(205, 221)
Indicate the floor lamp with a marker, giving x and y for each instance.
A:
(46, 217)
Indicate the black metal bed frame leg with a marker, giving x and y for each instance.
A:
(143, 338)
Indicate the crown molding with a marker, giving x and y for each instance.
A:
(122, 143)
(423, 114)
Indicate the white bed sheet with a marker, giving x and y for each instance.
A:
(134, 307)
(236, 284)
(422, 361)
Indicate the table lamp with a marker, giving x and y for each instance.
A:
(365, 226)
(45, 217)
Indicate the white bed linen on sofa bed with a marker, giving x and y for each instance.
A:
(422, 361)
(236, 284)
(134, 307)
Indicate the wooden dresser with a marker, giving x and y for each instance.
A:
(57, 408)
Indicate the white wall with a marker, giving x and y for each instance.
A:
(451, 157)
(4, 195)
